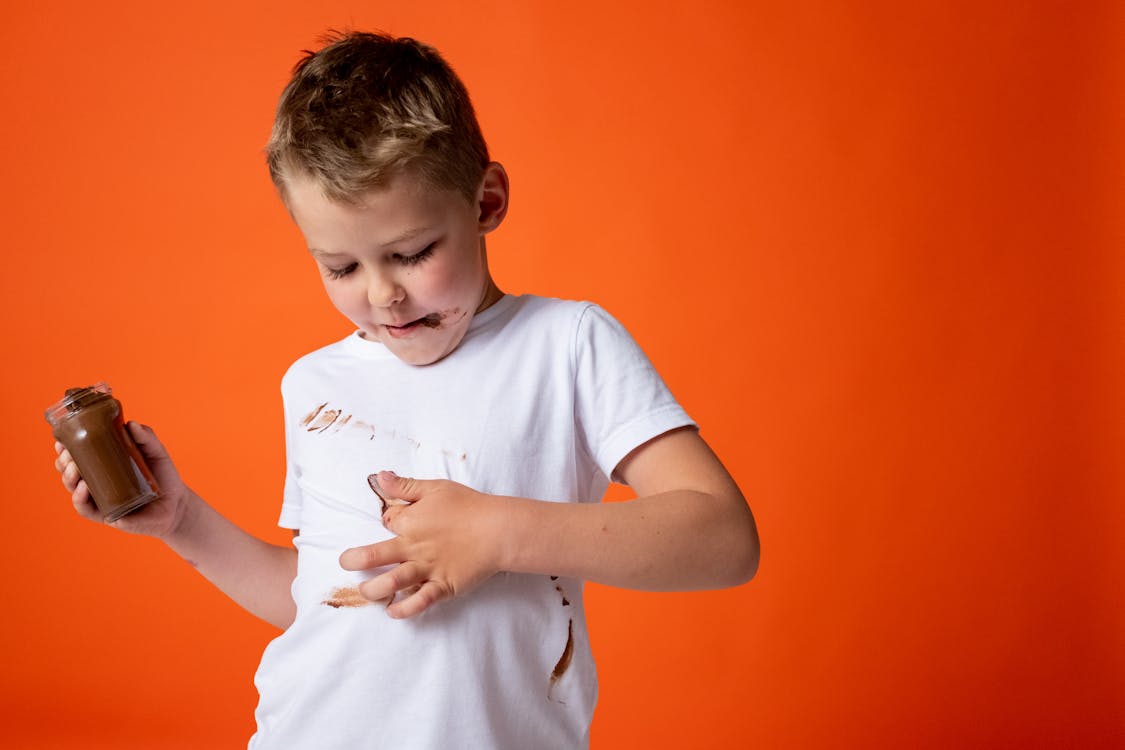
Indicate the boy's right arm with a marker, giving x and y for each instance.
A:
(255, 574)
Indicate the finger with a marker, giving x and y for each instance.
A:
(59, 447)
(150, 446)
(70, 476)
(373, 483)
(429, 594)
(391, 516)
(84, 503)
(62, 459)
(398, 578)
(385, 501)
(393, 486)
(373, 555)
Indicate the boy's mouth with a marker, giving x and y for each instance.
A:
(433, 320)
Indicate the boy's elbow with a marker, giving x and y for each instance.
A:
(748, 552)
(753, 557)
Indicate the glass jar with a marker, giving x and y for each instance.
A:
(89, 423)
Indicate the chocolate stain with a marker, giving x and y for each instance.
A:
(565, 601)
(361, 425)
(564, 660)
(346, 596)
(312, 415)
(349, 597)
(320, 420)
(568, 652)
(435, 320)
(324, 421)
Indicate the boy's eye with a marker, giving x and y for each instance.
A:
(418, 257)
(339, 273)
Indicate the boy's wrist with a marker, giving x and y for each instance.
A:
(508, 532)
(524, 528)
(186, 514)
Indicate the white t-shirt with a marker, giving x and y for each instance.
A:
(542, 399)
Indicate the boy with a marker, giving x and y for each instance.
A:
(444, 462)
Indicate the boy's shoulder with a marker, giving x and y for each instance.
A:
(334, 356)
(574, 326)
(550, 317)
(535, 306)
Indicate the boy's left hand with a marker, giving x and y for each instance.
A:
(447, 543)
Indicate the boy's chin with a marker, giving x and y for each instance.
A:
(419, 353)
(419, 359)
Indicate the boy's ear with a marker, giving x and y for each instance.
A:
(492, 197)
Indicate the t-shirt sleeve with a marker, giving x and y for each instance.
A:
(621, 402)
(291, 499)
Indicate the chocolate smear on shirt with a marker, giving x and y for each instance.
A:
(364, 427)
(349, 597)
(346, 596)
(564, 660)
(319, 420)
(325, 420)
(565, 601)
(312, 415)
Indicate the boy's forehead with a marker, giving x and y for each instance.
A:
(404, 186)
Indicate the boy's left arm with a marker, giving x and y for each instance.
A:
(688, 528)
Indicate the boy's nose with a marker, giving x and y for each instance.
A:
(383, 290)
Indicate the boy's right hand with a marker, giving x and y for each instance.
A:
(162, 516)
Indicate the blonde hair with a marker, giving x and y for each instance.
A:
(368, 106)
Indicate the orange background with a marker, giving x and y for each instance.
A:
(875, 248)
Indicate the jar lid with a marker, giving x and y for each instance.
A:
(76, 398)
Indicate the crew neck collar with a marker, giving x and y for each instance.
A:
(361, 346)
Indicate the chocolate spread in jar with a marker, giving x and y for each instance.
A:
(89, 424)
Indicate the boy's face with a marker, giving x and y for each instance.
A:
(407, 264)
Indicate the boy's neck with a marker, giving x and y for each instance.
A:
(492, 295)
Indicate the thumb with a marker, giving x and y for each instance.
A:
(393, 487)
(398, 495)
(149, 445)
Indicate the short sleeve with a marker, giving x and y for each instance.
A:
(621, 402)
(291, 499)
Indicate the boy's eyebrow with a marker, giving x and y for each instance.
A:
(324, 253)
(408, 234)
